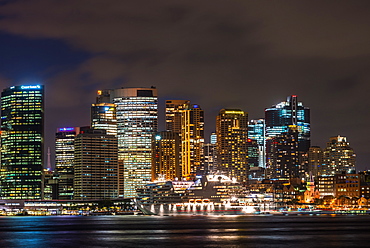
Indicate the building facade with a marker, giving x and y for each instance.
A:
(103, 116)
(137, 122)
(283, 162)
(22, 142)
(64, 160)
(315, 161)
(166, 156)
(256, 131)
(174, 111)
(338, 156)
(278, 118)
(96, 169)
(192, 140)
(232, 147)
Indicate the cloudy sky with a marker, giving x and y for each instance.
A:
(219, 54)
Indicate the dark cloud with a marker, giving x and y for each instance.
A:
(219, 54)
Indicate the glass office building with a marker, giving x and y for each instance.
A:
(22, 142)
(256, 131)
(137, 122)
(103, 116)
(278, 118)
(64, 159)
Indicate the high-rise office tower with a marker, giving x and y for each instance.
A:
(166, 156)
(137, 122)
(283, 162)
(232, 148)
(192, 140)
(96, 172)
(253, 153)
(278, 118)
(64, 160)
(188, 121)
(174, 110)
(256, 131)
(338, 156)
(22, 142)
(315, 161)
(103, 116)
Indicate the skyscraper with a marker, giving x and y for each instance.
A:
(22, 142)
(253, 153)
(232, 148)
(96, 171)
(278, 118)
(283, 162)
(103, 116)
(192, 139)
(137, 122)
(256, 131)
(315, 161)
(174, 110)
(166, 156)
(338, 156)
(64, 160)
(188, 121)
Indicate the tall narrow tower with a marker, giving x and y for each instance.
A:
(137, 121)
(232, 147)
(22, 142)
(256, 132)
(192, 140)
(64, 160)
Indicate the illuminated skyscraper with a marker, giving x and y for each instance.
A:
(253, 153)
(103, 116)
(96, 171)
(256, 131)
(338, 156)
(22, 142)
(192, 140)
(232, 148)
(64, 160)
(278, 118)
(315, 161)
(166, 156)
(283, 162)
(137, 120)
(174, 110)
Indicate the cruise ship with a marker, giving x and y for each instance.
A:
(216, 194)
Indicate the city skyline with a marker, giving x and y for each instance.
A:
(247, 55)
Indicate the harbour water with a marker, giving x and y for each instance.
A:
(185, 231)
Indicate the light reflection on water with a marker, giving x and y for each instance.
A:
(185, 231)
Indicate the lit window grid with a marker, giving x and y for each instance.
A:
(137, 119)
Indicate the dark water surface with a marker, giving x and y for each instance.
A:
(185, 231)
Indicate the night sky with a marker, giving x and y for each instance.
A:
(219, 54)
